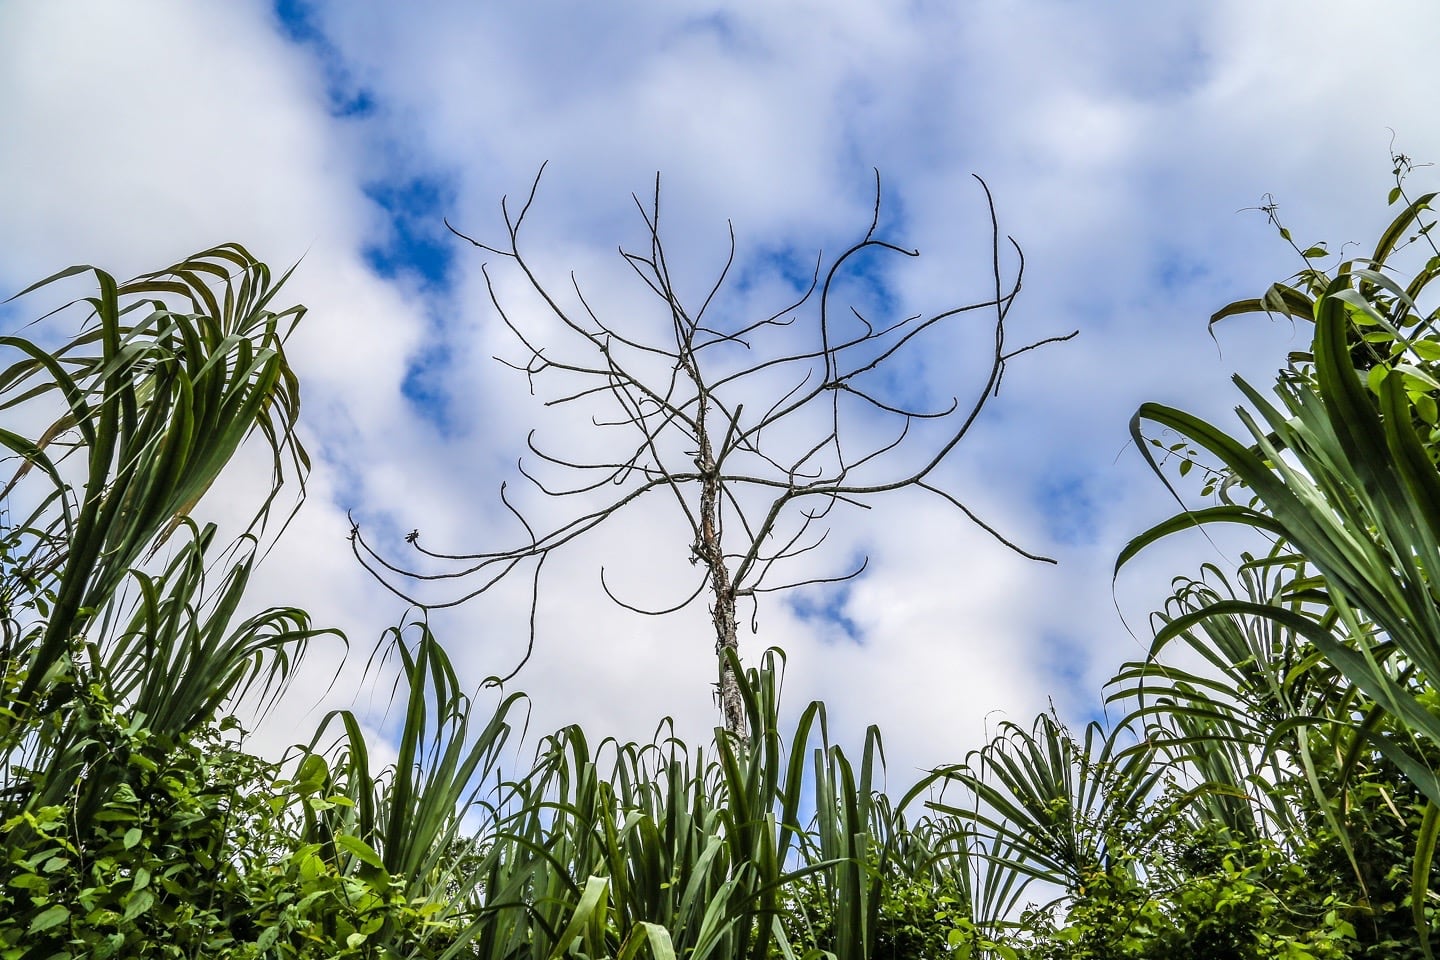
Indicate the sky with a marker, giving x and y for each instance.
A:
(1127, 145)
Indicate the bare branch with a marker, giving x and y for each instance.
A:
(865, 562)
(699, 589)
(530, 643)
(950, 498)
(757, 490)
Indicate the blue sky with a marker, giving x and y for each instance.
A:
(1122, 142)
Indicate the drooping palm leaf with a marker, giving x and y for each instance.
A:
(155, 396)
(1343, 476)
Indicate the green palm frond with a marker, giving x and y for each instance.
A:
(1342, 467)
(154, 396)
(1047, 807)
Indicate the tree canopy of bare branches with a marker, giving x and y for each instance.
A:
(754, 429)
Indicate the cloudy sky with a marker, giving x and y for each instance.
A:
(1123, 142)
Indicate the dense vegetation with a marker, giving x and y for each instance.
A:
(1279, 800)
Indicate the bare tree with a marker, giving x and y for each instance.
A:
(754, 453)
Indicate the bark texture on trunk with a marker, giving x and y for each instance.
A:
(710, 552)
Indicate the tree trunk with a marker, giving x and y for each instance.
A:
(732, 705)
(708, 549)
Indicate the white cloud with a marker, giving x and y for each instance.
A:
(1119, 140)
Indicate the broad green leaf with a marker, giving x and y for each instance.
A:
(51, 916)
(360, 850)
(138, 903)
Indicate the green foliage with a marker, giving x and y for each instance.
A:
(189, 853)
(131, 821)
(920, 914)
(1278, 798)
(1340, 472)
(1235, 909)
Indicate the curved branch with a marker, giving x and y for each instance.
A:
(530, 643)
(704, 578)
(817, 580)
(1000, 538)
